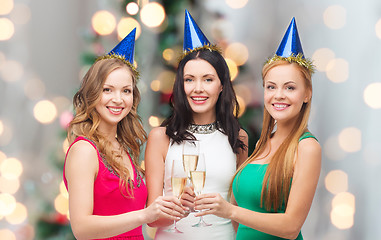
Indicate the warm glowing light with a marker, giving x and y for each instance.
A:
(132, 8)
(21, 14)
(332, 149)
(11, 71)
(19, 214)
(244, 92)
(242, 106)
(232, 68)
(11, 168)
(154, 121)
(350, 139)
(166, 78)
(7, 29)
(1, 127)
(10, 186)
(6, 6)
(322, 57)
(372, 96)
(168, 54)
(343, 210)
(126, 25)
(45, 112)
(335, 17)
(336, 181)
(237, 52)
(377, 28)
(65, 145)
(155, 85)
(236, 3)
(7, 204)
(34, 88)
(2, 157)
(152, 14)
(7, 234)
(63, 190)
(337, 70)
(61, 204)
(103, 22)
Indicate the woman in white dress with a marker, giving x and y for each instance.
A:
(204, 108)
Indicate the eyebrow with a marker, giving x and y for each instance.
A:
(291, 81)
(109, 85)
(206, 75)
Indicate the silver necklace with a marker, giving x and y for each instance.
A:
(203, 129)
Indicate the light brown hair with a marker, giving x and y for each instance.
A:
(130, 132)
(277, 180)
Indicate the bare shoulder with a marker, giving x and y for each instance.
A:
(82, 152)
(309, 152)
(309, 146)
(243, 133)
(158, 133)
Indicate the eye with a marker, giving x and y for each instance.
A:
(106, 90)
(188, 80)
(209, 80)
(290, 88)
(270, 87)
(127, 90)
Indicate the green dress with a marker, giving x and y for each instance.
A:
(247, 189)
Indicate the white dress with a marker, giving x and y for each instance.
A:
(220, 167)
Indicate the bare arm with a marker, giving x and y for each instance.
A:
(81, 170)
(241, 157)
(156, 151)
(288, 224)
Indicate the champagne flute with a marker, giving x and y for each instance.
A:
(198, 180)
(178, 181)
(190, 156)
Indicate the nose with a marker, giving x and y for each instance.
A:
(117, 98)
(279, 94)
(198, 86)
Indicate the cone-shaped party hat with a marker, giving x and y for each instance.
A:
(124, 50)
(194, 38)
(290, 48)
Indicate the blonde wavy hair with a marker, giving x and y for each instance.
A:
(130, 132)
(276, 183)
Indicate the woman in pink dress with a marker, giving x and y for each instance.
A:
(107, 194)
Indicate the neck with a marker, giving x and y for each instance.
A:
(109, 133)
(203, 119)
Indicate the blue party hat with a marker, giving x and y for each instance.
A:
(124, 51)
(290, 48)
(194, 38)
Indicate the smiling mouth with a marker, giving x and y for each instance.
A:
(115, 110)
(278, 106)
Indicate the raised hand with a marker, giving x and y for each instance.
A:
(168, 207)
(212, 203)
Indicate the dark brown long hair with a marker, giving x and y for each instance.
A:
(226, 107)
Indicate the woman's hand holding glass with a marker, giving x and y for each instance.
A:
(178, 181)
(213, 203)
(168, 207)
(198, 180)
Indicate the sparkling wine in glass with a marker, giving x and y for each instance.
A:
(190, 156)
(178, 182)
(198, 180)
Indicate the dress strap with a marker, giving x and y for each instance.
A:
(307, 135)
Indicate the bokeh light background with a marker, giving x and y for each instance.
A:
(40, 43)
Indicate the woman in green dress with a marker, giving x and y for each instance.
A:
(274, 188)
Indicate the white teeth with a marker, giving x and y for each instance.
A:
(115, 109)
(280, 105)
(199, 98)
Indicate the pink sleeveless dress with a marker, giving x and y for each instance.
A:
(108, 200)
